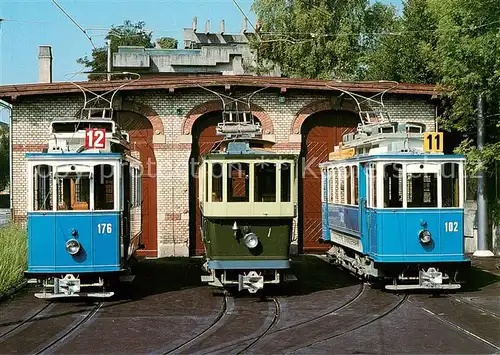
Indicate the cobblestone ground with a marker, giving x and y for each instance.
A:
(167, 310)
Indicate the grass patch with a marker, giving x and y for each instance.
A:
(13, 255)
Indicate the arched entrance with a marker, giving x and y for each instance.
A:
(204, 139)
(321, 132)
(141, 132)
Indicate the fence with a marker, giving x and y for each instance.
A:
(4, 216)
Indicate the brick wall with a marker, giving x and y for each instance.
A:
(31, 117)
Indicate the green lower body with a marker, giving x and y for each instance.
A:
(223, 243)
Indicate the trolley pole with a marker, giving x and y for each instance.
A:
(109, 59)
(482, 207)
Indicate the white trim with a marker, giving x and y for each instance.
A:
(461, 185)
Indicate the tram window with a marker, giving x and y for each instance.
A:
(42, 188)
(238, 182)
(265, 182)
(104, 187)
(73, 192)
(286, 174)
(348, 184)
(355, 183)
(393, 186)
(217, 182)
(422, 189)
(449, 180)
(342, 184)
(331, 185)
(373, 185)
(205, 168)
(336, 186)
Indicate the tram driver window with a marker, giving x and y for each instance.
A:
(450, 189)
(286, 174)
(42, 188)
(393, 186)
(238, 183)
(421, 189)
(216, 183)
(104, 187)
(73, 192)
(265, 182)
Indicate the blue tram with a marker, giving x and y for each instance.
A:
(84, 209)
(392, 207)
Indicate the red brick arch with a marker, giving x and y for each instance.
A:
(216, 105)
(147, 111)
(314, 107)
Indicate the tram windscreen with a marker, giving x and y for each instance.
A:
(265, 182)
(449, 183)
(73, 192)
(42, 188)
(103, 187)
(238, 184)
(422, 189)
(393, 186)
(286, 175)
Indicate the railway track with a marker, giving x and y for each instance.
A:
(24, 322)
(218, 319)
(67, 332)
(356, 327)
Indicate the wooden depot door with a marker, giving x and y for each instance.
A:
(140, 131)
(320, 134)
(205, 137)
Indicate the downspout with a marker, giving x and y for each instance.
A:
(3, 104)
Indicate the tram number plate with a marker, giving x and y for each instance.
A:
(433, 142)
(95, 138)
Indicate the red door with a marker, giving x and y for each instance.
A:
(142, 141)
(320, 133)
(205, 139)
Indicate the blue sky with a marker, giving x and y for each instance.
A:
(36, 22)
(31, 23)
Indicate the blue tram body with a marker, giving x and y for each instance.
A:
(84, 215)
(395, 214)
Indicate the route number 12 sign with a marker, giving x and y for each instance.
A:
(95, 138)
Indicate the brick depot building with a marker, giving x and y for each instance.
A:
(171, 122)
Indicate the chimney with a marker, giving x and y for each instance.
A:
(222, 27)
(195, 23)
(45, 64)
(207, 27)
(244, 25)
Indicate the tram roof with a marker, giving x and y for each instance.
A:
(74, 156)
(396, 158)
(254, 156)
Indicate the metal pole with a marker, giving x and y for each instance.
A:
(482, 207)
(109, 59)
(9, 107)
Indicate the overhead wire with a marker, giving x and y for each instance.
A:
(76, 23)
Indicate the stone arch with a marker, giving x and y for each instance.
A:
(147, 111)
(318, 106)
(216, 105)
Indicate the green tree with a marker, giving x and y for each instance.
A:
(4, 156)
(320, 39)
(467, 61)
(403, 53)
(128, 34)
(167, 43)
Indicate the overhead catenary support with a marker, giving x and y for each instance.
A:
(482, 207)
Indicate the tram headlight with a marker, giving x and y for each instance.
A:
(73, 246)
(251, 240)
(425, 237)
